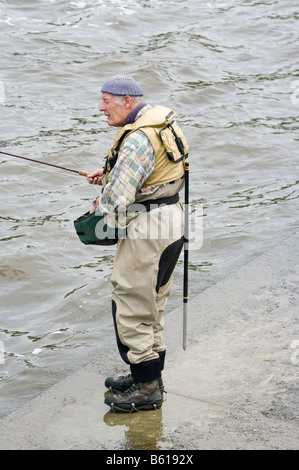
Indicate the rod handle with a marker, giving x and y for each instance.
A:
(85, 173)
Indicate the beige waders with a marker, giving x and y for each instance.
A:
(142, 277)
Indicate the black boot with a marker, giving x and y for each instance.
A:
(123, 382)
(119, 384)
(140, 396)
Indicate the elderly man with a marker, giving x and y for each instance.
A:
(144, 172)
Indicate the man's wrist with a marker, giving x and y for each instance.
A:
(96, 202)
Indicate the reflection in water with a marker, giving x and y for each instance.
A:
(237, 104)
(144, 429)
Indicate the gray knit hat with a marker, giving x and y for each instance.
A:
(122, 85)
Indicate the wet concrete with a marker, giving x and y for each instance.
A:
(235, 387)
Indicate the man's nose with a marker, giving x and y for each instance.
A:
(101, 108)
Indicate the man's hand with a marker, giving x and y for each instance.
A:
(95, 177)
(95, 205)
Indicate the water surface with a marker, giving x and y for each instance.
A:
(229, 69)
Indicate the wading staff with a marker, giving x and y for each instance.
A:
(186, 255)
(80, 172)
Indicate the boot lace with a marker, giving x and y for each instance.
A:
(134, 387)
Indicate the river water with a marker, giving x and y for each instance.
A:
(228, 68)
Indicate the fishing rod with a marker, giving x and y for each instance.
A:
(80, 172)
(186, 256)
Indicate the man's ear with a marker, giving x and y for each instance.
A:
(127, 100)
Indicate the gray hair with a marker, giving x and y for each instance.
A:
(136, 99)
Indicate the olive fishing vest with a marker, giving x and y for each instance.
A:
(168, 141)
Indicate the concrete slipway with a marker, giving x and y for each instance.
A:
(235, 387)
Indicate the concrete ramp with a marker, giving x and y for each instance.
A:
(235, 387)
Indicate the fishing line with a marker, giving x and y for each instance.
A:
(42, 169)
(79, 172)
(210, 402)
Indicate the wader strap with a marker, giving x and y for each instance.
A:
(154, 203)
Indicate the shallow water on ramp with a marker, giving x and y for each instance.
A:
(227, 68)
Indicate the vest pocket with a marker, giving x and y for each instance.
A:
(174, 142)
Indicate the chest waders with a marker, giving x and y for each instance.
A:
(170, 151)
(171, 163)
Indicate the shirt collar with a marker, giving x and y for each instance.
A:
(132, 116)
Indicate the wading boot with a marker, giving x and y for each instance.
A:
(123, 382)
(119, 384)
(140, 396)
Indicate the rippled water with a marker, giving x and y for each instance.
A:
(229, 70)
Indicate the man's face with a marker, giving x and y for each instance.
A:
(116, 113)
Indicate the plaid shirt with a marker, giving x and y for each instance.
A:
(135, 163)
